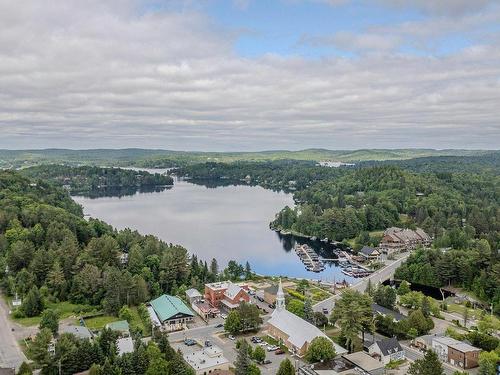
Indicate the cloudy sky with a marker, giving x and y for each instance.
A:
(250, 74)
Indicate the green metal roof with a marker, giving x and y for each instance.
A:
(167, 306)
(120, 325)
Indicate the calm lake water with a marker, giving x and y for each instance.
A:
(226, 222)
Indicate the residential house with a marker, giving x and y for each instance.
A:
(205, 310)
(294, 332)
(387, 350)
(79, 331)
(384, 311)
(169, 313)
(226, 295)
(207, 360)
(369, 253)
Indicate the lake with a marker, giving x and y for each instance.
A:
(222, 222)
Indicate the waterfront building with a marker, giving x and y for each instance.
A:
(396, 240)
(292, 331)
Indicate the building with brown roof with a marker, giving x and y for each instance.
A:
(226, 295)
(396, 240)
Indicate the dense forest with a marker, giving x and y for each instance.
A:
(48, 252)
(88, 178)
(460, 209)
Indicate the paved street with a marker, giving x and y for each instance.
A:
(217, 337)
(10, 352)
(376, 277)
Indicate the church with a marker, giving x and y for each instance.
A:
(294, 332)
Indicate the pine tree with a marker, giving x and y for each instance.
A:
(428, 365)
(286, 368)
(242, 360)
(32, 304)
(308, 310)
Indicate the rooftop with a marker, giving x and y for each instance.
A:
(205, 358)
(389, 346)
(78, 331)
(193, 293)
(167, 306)
(125, 345)
(364, 361)
(120, 326)
(385, 311)
(455, 344)
(298, 330)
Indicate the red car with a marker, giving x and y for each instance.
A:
(279, 351)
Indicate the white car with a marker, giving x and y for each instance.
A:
(223, 316)
(272, 348)
(231, 337)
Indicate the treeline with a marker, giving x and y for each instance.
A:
(279, 174)
(49, 253)
(376, 198)
(484, 162)
(89, 178)
(73, 355)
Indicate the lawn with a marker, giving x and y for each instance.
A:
(65, 309)
(98, 322)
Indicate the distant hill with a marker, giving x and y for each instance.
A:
(166, 158)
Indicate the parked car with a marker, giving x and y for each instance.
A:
(260, 299)
(264, 311)
(266, 362)
(325, 311)
(272, 348)
(271, 306)
(189, 342)
(220, 325)
(208, 344)
(262, 343)
(231, 337)
(223, 316)
(279, 351)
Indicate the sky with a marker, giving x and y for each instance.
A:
(247, 75)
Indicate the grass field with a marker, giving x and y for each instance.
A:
(65, 310)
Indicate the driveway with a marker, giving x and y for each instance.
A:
(11, 354)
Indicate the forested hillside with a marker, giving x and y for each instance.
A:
(48, 250)
(88, 178)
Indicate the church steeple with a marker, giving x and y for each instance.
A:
(280, 298)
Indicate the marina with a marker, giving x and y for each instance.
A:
(309, 257)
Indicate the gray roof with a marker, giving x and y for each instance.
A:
(125, 345)
(367, 250)
(389, 346)
(193, 293)
(78, 331)
(385, 311)
(298, 330)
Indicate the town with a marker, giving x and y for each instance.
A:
(273, 325)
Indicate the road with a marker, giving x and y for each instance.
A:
(11, 354)
(376, 277)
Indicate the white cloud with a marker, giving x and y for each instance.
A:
(88, 74)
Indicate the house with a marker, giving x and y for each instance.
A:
(384, 311)
(270, 294)
(294, 332)
(458, 353)
(170, 312)
(207, 360)
(387, 350)
(79, 331)
(193, 295)
(125, 345)
(369, 253)
(120, 326)
(366, 363)
(424, 342)
(205, 310)
(226, 295)
(396, 240)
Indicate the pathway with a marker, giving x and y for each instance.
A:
(11, 354)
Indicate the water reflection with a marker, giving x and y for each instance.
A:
(213, 221)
